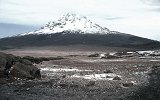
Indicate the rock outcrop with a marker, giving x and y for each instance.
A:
(13, 67)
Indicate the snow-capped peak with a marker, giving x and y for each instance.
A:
(71, 23)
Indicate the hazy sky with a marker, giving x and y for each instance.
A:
(137, 17)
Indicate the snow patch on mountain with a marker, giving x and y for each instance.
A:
(71, 23)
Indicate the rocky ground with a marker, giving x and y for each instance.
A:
(80, 76)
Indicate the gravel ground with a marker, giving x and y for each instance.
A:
(78, 77)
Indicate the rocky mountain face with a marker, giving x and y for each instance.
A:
(72, 29)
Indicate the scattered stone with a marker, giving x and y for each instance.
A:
(44, 76)
(108, 76)
(18, 93)
(16, 90)
(107, 71)
(121, 53)
(28, 89)
(81, 73)
(63, 85)
(127, 84)
(90, 83)
(117, 78)
(74, 85)
(94, 55)
(110, 57)
(63, 76)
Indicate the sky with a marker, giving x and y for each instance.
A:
(137, 17)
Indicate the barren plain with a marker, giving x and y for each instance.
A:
(81, 77)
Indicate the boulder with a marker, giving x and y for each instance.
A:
(25, 71)
(94, 55)
(107, 71)
(117, 78)
(90, 83)
(110, 57)
(26, 62)
(130, 84)
(6, 59)
(13, 66)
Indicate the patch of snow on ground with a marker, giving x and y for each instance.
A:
(104, 76)
(102, 55)
(154, 60)
(103, 60)
(142, 52)
(62, 69)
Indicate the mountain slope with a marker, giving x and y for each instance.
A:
(111, 40)
(74, 30)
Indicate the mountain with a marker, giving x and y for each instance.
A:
(71, 29)
(72, 23)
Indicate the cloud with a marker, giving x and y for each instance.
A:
(152, 2)
(156, 9)
(114, 18)
(153, 5)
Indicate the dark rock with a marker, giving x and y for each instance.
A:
(108, 76)
(63, 85)
(16, 90)
(90, 83)
(41, 59)
(63, 76)
(33, 60)
(3, 81)
(107, 71)
(26, 62)
(127, 84)
(74, 84)
(6, 60)
(12, 66)
(94, 55)
(18, 93)
(43, 76)
(117, 78)
(23, 71)
(120, 53)
(110, 57)
(37, 74)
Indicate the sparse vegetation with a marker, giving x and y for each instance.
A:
(81, 77)
(94, 55)
(150, 91)
(40, 59)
